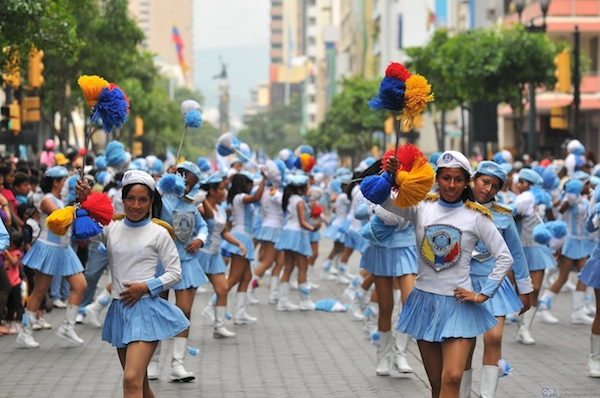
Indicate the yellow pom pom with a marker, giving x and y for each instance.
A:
(401, 176)
(60, 220)
(417, 95)
(92, 87)
(414, 186)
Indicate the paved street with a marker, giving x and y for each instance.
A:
(297, 354)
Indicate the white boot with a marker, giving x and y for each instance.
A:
(220, 331)
(294, 279)
(67, 329)
(306, 303)
(25, 336)
(153, 367)
(544, 305)
(274, 290)
(209, 311)
(356, 312)
(579, 316)
(372, 315)
(93, 310)
(325, 274)
(241, 316)
(255, 283)
(400, 361)
(284, 303)
(178, 372)
(384, 348)
(590, 306)
(594, 361)
(309, 278)
(489, 381)
(343, 278)
(465, 384)
(524, 334)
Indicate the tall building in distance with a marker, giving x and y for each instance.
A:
(167, 27)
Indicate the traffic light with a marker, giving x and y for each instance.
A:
(11, 118)
(36, 68)
(11, 72)
(563, 71)
(558, 118)
(30, 110)
(139, 126)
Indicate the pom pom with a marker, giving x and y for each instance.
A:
(386, 156)
(115, 154)
(504, 367)
(245, 151)
(273, 172)
(92, 86)
(193, 351)
(407, 156)
(304, 162)
(574, 186)
(203, 164)
(417, 95)
(99, 207)
(551, 180)
(112, 107)
(391, 95)
(84, 227)
(414, 185)
(60, 220)
(304, 149)
(558, 229)
(100, 162)
(330, 305)
(541, 234)
(193, 119)
(223, 151)
(316, 211)
(189, 105)
(398, 71)
(157, 167)
(377, 188)
(375, 337)
(287, 156)
(171, 184)
(229, 141)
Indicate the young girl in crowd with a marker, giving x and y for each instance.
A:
(12, 263)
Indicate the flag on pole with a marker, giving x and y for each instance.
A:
(179, 48)
(430, 18)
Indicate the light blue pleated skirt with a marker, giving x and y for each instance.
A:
(296, 241)
(150, 319)
(268, 234)
(53, 260)
(192, 274)
(590, 274)
(575, 248)
(434, 317)
(390, 261)
(246, 241)
(505, 300)
(333, 232)
(539, 258)
(212, 263)
(314, 236)
(354, 241)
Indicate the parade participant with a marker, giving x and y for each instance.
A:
(240, 202)
(487, 182)
(529, 213)
(341, 208)
(210, 255)
(442, 312)
(295, 244)
(315, 194)
(138, 318)
(52, 255)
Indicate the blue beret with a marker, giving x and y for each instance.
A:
(531, 176)
(492, 169)
(191, 167)
(580, 175)
(299, 180)
(214, 178)
(57, 172)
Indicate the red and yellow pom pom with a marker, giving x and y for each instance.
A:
(99, 207)
(92, 87)
(414, 185)
(305, 162)
(60, 220)
(397, 71)
(417, 95)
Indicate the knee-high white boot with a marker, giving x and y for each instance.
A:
(465, 384)
(220, 331)
(178, 372)
(284, 303)
(594, 361)
(579, 315)
(153, 366)
(400, 361)
(489, 381)
(274, 290)
(241, 316)
(306, 303)
(356, 311)
(67, 329)
(25, 336)
(93, 310)
(524, 334)
(372, 315)
(384, 348)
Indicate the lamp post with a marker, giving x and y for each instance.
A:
(531, 28)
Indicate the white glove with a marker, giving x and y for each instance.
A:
(524, 204)
(199, 197)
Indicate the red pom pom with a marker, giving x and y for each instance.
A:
(316, 211)
(407, 155)
(398, 71)
(99, 207)
(388, 154)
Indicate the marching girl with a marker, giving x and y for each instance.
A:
(191, 233)
(240, 202)
(138, 318)
(341, 208)
(295, 244)
(539, 257)
(52, 255)
(488, 180)
(442, 312)
(315, 194)
(210, 254)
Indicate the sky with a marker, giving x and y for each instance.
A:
(237, 31)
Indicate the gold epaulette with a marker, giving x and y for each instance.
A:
(432, 197)
(118, 217)
(477, 207)
(165, 225)
(501, 208)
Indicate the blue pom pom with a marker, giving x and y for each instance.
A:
(100, 162)
(193, 119)
(171, 184)
(203, 164)
(290, 162)
(377, 188)
(115, 153)
(112, 107)
(84, 227)
(193, 351)
(391, 95)
(558, 229)
(375, 337)
(541, 234)
(157, 167)
(551, 180)
(498, 158)
(574, 186)
(223, 151)
(541, 196)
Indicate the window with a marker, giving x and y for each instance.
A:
(276, 45)
(594, 54)
(276, 17)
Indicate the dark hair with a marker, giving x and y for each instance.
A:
(113, 183)
(25, 210)
(239, 184)
(154, 197)
(467, 193)
(357, 178)
(16, 238)
(47, 182)
(288, 192)
(207, 187)
(5, 170)
(21, 178)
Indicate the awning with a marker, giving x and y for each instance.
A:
(546, 101)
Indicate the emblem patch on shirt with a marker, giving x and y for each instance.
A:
(441, 246)
(481, 252)
(183, 224)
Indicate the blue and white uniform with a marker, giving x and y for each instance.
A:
(333, 230)
(354, 239)
(52, 254)
(294, 237)
(446, 234)
(590, 274)
(242, 219)
(134, 251)
(272, 216)
(578, 242)
(210, 254)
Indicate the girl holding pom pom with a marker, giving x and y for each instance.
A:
(442, 312)
(52, 255)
